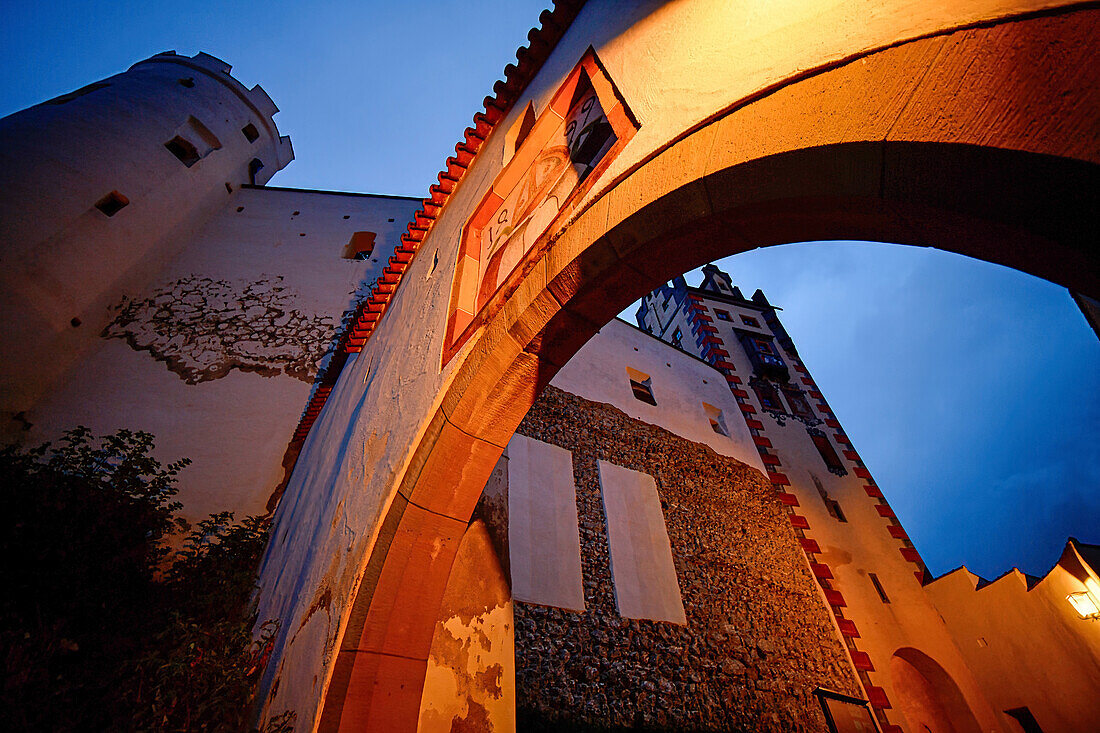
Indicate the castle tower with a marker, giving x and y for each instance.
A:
(870, 573)
(102, 185)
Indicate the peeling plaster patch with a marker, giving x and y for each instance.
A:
(202, 328)
(489, 679)
(470, 679)
(476, 719)
(323, 599)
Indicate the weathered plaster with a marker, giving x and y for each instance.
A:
(470, 681)
(202, 328)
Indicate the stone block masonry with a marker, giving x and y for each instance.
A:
(758, 638)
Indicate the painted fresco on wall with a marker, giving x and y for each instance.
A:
(570, 144)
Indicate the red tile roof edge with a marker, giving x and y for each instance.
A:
(541, 42)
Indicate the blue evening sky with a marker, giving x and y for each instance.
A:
(972, 391)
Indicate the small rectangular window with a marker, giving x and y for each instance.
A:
(183, 150)
(642, 386)
(722, 315)
(716, 418)
(678, 338)
(112, 203)
(1026, 720)
(193, 142)
(878, 588)
(750, 321)
(360, 247)
(250, 132)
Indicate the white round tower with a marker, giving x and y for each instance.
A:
(101, 187)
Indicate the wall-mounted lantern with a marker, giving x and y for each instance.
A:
(1085, 604)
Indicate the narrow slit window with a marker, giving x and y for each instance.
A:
(678, 338)
(183, 150)
(878, 588)
(716, 418)
(254, 166)
(642, 386)
(831, 505)
(250, 132)
(828, 454)
(112, 203)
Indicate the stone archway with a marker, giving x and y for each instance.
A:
(928, 697)
(857, 151)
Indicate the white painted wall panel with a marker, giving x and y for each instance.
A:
(641, 556)
(543, 539)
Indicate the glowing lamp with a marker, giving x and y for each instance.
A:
(1085, 604)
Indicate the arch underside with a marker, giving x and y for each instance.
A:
(982, 142)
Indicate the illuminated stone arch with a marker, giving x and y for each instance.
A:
(860, 150)
(927, 695)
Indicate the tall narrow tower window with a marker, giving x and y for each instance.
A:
(878, 588)
(825, 448)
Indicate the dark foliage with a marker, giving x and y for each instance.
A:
(102, 629)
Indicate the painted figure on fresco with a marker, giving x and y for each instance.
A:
(575, 148)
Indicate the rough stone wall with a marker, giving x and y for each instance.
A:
(758, 638)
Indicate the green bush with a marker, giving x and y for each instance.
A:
(101, 628)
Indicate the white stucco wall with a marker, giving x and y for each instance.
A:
(63, 258)
(681, 386)
(235, 426)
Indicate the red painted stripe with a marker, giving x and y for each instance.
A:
(779, 479)
(798, 521)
